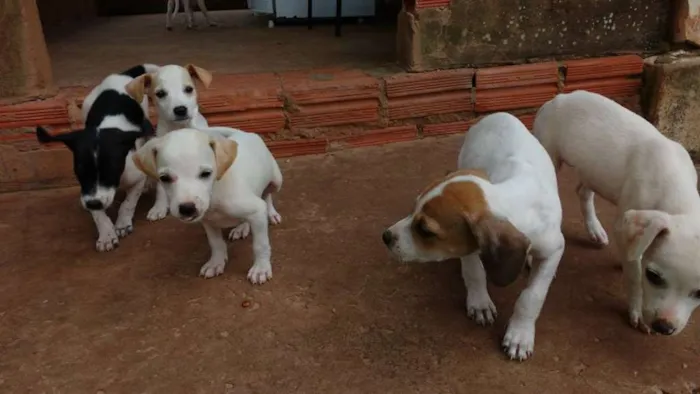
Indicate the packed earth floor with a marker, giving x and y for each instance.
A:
(339, 316)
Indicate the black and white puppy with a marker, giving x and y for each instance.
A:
(116, 123)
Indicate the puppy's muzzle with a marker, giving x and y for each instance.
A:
(188, 210)
(180, 112)
(663, 327)
(388, 238)
(94, 205)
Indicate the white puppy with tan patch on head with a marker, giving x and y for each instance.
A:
(499, 212)
(172, 88)
(218, 176)
(652, 180)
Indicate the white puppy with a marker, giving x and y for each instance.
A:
(653, 182)
(497, 212)
(218, 176)
(174, 7)
(172, 89)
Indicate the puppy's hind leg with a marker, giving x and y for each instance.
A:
(205, 12)
(169, 14)
(596, 232)
(519, 341)
(188, 13)
(261, 271)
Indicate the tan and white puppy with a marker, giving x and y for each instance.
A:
(499, 212)
(627, 161)
(218, 176)
(173, 90)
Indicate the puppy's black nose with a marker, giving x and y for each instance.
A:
(187, 209)
(662, 326)
(388, 238)
(180, 110)
(94, 205)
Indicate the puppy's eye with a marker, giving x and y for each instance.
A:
(161, 94)
(422, 231)
(205, 174)
(696, 294)
(654, 278)
(189, 89)
(165, 178)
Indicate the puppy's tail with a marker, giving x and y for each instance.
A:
(43, 136)
(137, 71)
(151, 68)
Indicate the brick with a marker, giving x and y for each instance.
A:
(611, 87)
(297, 147)
(420, 4)
(431, 104)
(447, 128)
(377, 137)
(528, 120)
(240, 92)
(604, 67)
(333, 114)
(410, 84)
(520, 75)
(318, 87)
(513, 98)
(45, 113)
(261, 121)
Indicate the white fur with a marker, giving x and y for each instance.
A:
(242, 193)
(522, 188)
(174, 6)
(652, 180)
(132, 180)
(172, 79)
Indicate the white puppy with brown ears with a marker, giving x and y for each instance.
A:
(652, 180)
(499, 212)
(218, 176)
(172, 89)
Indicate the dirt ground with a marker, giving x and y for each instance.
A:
(338, 317)
(241, 44)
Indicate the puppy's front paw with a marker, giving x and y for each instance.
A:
(596, 232)
(212, 268)
(107, 240)
(519, 341)
(124, 229)
(260, 273)
(481, 309)
(158, 212)
(239, 232)
(637, 322)
(274, 217)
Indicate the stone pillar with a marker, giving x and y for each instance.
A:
(671, 97)
(25, 66)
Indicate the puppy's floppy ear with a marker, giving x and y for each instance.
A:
(639, 228)
(139, 87)
(225, 152)
(145, 157)
(504, 251)
(68, 139)
(199, 73)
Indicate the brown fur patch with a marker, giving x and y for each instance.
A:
(467, 171)
(444, 216)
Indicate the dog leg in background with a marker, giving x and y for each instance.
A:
(170, 14)
(124, 224)
(261, 271)
(519, 341)
(107, 238)
(188, 13)
(480, 308)
(205, 12)
(596, 232)
(160, 207)
(219, 254)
